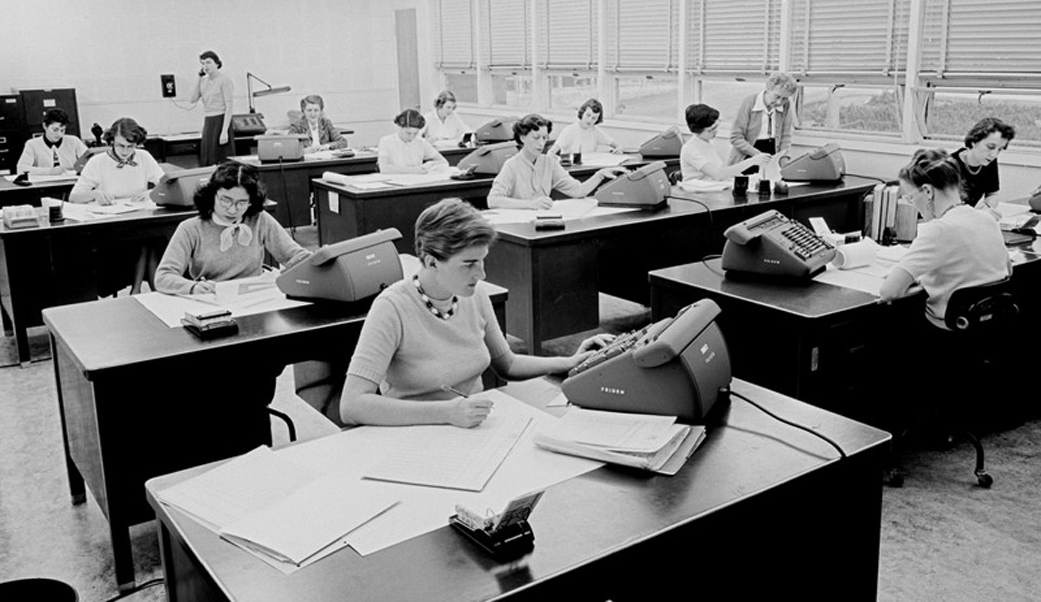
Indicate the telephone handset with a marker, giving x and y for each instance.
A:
(773, 245)
(202, 73)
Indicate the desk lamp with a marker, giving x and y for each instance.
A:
(253, 123)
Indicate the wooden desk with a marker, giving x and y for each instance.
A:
(139, 399)
(57, 264)
(820, 343)
(12, 194)
(757, 505)
(166, 146)
(554, 277)
(355, 212)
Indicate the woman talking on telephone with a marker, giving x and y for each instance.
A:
(215, 90)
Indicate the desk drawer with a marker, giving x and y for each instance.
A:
(11, 143)
(11, 114)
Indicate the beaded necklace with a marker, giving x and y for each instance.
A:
(430, 304)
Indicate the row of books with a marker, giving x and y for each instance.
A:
(884, 210)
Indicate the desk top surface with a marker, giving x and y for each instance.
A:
(575, 524)
(157, 215)
(678, 207)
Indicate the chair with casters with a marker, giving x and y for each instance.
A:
(979, 316)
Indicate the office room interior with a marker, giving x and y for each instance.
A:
(369, 59)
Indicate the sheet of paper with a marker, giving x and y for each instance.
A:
(614, 430)
(242, 297)
(603, 159)
(334, 201)
(118, 206)
(311, 518)
(415, 179)
(866, 279)
(423, 509)
(239, 487)
(447, 456)
(1011, 209)
(568, 209)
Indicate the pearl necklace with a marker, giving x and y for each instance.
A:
(430, 304)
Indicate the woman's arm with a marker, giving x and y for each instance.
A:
(739, 130)
(227, 89)
(512, 366)
(27, 163)
(331, 137)
(169, 276)
(896, 284)
(279, 243)
(89, 186)
(501, 194)
(362, 404)
(196, 94)
(432, 159)
(717, 172)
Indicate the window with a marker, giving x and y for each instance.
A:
(512, 90)
(567, 34)
(570, 91)
(951, 114)
(463, 85)
(454, 34)
(647, 97)
(851, 108)
(733, 36)
(727, 96)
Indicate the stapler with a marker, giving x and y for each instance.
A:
(22, 179)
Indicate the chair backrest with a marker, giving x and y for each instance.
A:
(981, 307)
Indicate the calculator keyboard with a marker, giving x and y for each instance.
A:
(623, 343)
(804, 243)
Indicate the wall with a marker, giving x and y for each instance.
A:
(113, 51)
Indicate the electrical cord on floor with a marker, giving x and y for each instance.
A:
(790, 423)
(136, 589)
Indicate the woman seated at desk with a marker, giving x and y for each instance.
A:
(444, 127)
(978, 160)
(322, 134)
(956, 246)
(405, 151)
(53, 153)
(699, 159)
(428, 339)
(584, 136)
(228, 238)
(529, 177)
(123, 172)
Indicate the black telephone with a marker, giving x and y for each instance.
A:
(202, 73)
(773, 245)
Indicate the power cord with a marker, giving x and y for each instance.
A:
(793, 424)
(683, 198)
(705, 260)
(875, 178)
(136, 589)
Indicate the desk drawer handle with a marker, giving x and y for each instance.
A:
(4, 150)
(3, 140)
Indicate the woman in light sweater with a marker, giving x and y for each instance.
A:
(427, 339)
(228, 238)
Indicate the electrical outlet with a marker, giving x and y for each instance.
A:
(169, 86)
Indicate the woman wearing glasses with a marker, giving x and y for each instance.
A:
(228, 238)
(55, 152)
(763, 124)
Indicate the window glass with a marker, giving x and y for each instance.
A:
(512, 90)
(570, 91)
(463, 85)
(857, 109)
(951, 115)
(727, 96)
(647, 97)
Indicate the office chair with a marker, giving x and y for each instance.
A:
(978, 315)
(285, 418)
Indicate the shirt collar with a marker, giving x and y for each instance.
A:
(50, 144)
(760, 104)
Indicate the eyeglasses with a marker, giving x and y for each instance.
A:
(232, 203)
(126, 146)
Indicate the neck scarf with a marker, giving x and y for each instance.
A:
(120, 163)
(231, 231)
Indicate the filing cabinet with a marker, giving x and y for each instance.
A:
(36, 103)
(12, 131)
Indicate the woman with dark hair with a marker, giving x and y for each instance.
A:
(584, 136)
(228, 238)
(444, 128)
(321, 133)
(528, 178)
(406, 151)
(53, 153)
(699, 159)
(216, 91)
(429, 338)
(956, 246)
(978, 160)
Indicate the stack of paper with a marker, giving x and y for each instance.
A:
(654, 443)
(278, 510)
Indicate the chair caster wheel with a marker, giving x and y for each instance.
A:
(985, 480)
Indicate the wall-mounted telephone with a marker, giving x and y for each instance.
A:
(773, 245)
(674, 367)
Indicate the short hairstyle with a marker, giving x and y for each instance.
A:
(312, 99)
(593, 105)
(780, 79)
(209, 54)
(530, 123)
(985, 127)
(127, 128)
(229, 175)
(55, 116)
(410, 118)
(449, 227)
(932, 166)
(700, 117)
(442, 98)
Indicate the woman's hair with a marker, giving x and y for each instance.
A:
(985, 127)
(209, 54)
(530, 123)
(595, 106)
(700, 117)
(449, 227)
(229, 175)
(932, 166)
(410, 118)
(55, 116)
(783, 81)
(127, 128)
(312, 99)
(442, 98)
